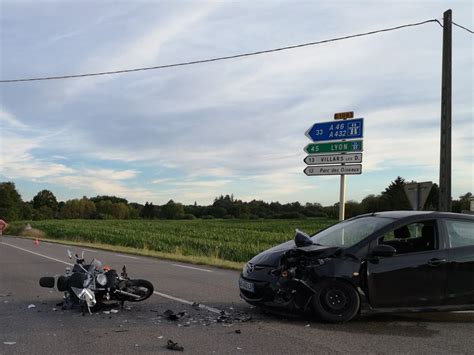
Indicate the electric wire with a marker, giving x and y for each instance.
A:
(464, 28)
(219, 58)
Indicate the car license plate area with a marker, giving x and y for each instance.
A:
(247, 286)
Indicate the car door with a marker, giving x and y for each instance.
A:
(416, 275)
(460, 239)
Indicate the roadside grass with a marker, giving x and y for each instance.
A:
(221, 243)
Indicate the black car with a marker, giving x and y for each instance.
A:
(388, 261)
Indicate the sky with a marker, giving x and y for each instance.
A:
(238, 126)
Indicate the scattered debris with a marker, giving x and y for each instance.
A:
(173, 316)
(308, 325)
(106, 312)
(160, 337)
(31, 306)
(114, 311)
(5, 294)
(171, 345)
(55, 309)
(196, 305)
(239, 348)
(238, 331)
(9, 342)
(121, 330)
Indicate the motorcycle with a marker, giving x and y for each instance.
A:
(92, 285)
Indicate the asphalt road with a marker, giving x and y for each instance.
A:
(142, 328)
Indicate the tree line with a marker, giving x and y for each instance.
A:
(44, 205)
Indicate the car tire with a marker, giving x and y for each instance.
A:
(335, 301)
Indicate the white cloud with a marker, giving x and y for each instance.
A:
(7, 120)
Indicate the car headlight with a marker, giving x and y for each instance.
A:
(244, 269)
(101, 279)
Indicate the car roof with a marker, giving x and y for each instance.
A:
(405, 214)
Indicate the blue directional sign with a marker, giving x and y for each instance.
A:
(336, 130)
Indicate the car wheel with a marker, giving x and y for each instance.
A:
(335, 301)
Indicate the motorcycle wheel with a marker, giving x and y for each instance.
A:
(142, 288)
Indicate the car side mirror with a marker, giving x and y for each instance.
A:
(302, 239)
(383, 250)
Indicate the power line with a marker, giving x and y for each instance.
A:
(464, 28)
(220, 58)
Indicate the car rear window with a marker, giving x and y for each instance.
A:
(461, 233)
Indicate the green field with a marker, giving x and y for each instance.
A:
(229, 240)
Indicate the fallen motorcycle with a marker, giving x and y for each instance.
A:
(92, 285)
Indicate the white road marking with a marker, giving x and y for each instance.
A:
(90, 250)
(32, 252)
(126, 256)
(181, 300)
(191, 267)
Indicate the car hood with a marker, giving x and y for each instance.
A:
(272, 256)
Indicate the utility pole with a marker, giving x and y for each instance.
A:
(445, 153)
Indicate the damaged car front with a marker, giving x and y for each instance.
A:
(320, 273)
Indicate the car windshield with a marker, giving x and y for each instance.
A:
(350, 232)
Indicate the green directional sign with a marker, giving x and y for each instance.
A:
(321, 148)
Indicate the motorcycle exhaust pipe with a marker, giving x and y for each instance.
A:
(128, 294)
(47, 282)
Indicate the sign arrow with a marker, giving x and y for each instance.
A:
(336, 130)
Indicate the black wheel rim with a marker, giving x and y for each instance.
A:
(335, 300)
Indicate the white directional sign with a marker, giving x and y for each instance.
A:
(315, 159)
(333, 170)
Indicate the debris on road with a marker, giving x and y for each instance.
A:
(226, 319)
(173, 316)
(9, 342)
(171, 345)
(238, 331)
(31, 306)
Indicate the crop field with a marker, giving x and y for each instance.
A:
(231, 240)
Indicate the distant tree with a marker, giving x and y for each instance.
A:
(10, 202)
(463, 204)
(172, 210)
(394, 197)
(106, 209)
(148, 211)
(83, 209)
(370, 204)
(352, 208)
(113, 199)
(27, 211)
(45, 198)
